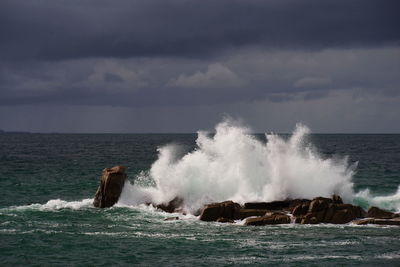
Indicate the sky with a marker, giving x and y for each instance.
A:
(171, 66)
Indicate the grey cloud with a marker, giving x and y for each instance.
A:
(312, 82)
(216, 76)
(56, 30)
(246, 75)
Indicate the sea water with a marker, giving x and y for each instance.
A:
(48, 181)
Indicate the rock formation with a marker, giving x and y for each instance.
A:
(175, 205)
(111, 183)
(378, 213)
(304, 211)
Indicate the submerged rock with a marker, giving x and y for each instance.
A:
(111, 183)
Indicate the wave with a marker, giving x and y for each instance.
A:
(233, 164)
(55, 204)
(365, 199)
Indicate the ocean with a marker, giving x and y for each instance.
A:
(48, 182)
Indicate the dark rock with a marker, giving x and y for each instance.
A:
(319, 203)
(337, 199)
(174, 205)
(224, 220)
(274, 205)
(363, 221)
(301, 209)
(265, 220)
(325, 210)
(295, 202)
(244, 213)
(330, 211)
(375, 212)
(226, 209)
(288, 204)
(298, 219)
(341, 217)
(309, 218)
(377, 221)
(276, 212)
(111, 183)
(346, 213)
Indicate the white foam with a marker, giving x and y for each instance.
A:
(57, 204)
(233, 164)
(389, 202)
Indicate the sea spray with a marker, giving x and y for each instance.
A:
(233, 164)
(366, 199)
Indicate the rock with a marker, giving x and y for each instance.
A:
(330, 211)
(325, 210)
(265, 220)
(377, 221)
(288, 204)
(174, 205)
(244, 213)
(346, 213)
(111, 183)
(300, 209)
(342, 217)
(171, 219)
(226, 209)
(375, 212)
(387, 221)
(337, 199)
(309, 219)
(224, 220)
(274, 213)
(295, 202)
(319, 203)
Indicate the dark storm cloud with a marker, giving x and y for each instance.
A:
(54, 30)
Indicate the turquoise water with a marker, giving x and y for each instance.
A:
(46, 217)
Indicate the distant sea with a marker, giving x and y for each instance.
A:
(47, 183)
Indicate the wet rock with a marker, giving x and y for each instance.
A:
(296, 202)
(395, 221)
(111, 183)
(276, 212)
(224, 220)
(244, 213)
(309, 218)
(274, 205)
(319, 204)
(289, 204)
(337, 199)
(175, 205)
(325, 210)
(375, 212)
(301, 209)
(268, 220)
(226, 209)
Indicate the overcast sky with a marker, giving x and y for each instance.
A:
(182, 65)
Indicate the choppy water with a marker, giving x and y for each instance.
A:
(46, 217)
